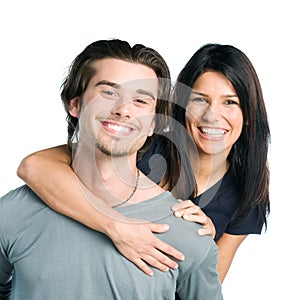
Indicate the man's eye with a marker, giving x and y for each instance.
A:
(109, 93)
(143, 100)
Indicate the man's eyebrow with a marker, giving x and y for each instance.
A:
(145, 92)
(105, 82)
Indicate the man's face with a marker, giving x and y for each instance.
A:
(117, 109)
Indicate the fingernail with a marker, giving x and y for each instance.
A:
(177, 214)
(186, 217)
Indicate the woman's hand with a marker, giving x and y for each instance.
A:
(191, 212)
(137, 243)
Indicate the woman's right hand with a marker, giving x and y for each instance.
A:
(137, 243)
(191, 212)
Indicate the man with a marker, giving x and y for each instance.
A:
(113, 97)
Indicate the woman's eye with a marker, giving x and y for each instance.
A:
(231, 102)
(199, 100)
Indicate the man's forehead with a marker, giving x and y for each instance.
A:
(120, 72)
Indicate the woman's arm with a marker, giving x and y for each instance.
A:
(49, 174)
(228, 245)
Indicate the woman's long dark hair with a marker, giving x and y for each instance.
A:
(248, 156)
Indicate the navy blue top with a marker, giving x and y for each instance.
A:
(219, 202)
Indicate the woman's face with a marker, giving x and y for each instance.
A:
(214, 116)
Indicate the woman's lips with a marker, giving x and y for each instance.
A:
(212, 133)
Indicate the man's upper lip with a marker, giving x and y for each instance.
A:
(116, 123)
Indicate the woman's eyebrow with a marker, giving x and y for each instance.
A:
(199, 93)
(224, 96)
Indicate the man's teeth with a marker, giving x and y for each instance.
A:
(118, 128)
(213, 131)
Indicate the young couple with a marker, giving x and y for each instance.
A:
(221, 164)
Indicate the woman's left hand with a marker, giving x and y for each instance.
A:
(191, 212)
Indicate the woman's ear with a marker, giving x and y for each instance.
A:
(74, 107)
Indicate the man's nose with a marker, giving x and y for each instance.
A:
(123, 108)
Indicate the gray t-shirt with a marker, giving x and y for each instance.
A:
(45, 255)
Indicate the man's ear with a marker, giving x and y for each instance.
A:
(74, 107)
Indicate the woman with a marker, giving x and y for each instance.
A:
(227, 120)
(220, 104)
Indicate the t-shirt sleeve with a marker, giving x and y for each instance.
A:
(253, 224)
(5, 277)
(5, 267)
(202, 282)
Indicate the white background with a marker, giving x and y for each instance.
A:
(39, 40)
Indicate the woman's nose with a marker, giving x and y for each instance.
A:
(210, 114)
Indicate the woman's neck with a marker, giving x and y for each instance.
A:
(210, 169)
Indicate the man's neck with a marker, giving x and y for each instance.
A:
(112, 180)
(109, 178)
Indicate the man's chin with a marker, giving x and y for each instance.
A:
(112, 152)
(121, 148)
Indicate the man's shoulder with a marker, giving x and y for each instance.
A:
(18, 202)
(16, 194)
(183, 234)
(187, 240)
